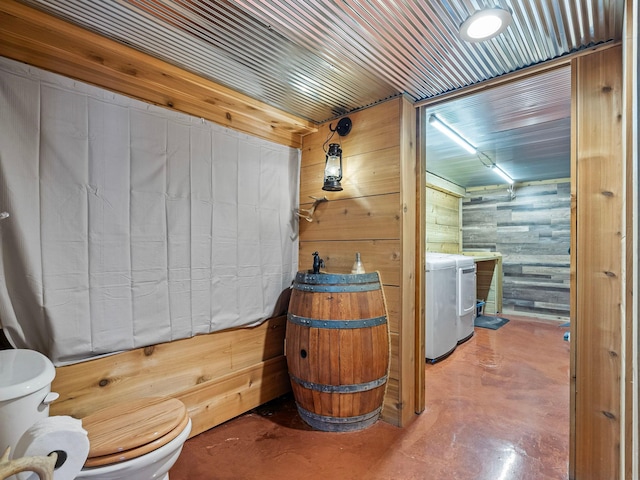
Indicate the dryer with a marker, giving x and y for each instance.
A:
(465, 296)
(440, 310)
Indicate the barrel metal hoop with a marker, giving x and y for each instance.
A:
(336, 278)
(355, 287)
(336, 324)
(354, 418)
(351, 388)
(339, 424)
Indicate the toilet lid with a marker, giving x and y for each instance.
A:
(139, 451)
(132, 426)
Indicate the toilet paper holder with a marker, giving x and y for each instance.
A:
(41, 466)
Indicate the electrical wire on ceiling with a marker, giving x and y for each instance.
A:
(492, 165)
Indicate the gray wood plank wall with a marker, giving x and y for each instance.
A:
(532, 232)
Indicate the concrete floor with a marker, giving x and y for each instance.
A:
(496, 409)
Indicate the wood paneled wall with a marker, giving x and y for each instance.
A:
(597, 247)
(532, 232)
(374, 214)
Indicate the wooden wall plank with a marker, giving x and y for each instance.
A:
(374, 172)
(368, 135)
(444, 247)
(339, 255)
(360, 218)
(442, 212)
(392, 411)
(599, 229)
(442, 234)
(631, 347)
(394, 307)
(410, 198)
(440, 199)
(424, 181)
(573, 283)
(36, 38)
(442, 229)
(224, 398)
(437, 183)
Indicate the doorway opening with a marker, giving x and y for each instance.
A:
(521, 128)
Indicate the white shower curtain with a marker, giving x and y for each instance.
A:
(132, 225)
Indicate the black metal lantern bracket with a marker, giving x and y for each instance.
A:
(342, 128)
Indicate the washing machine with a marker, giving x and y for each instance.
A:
(465, 296)
(440, 311)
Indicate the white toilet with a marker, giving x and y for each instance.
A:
(138, 440)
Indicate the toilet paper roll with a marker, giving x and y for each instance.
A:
(61, 434)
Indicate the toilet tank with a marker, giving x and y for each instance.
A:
(25, 393)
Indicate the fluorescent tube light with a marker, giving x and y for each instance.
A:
(452, 134)
(502, 173)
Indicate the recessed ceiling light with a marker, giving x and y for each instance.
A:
(485, 24)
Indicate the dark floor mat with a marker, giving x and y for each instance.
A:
(488, 321)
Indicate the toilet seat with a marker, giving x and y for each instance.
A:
(125, 431)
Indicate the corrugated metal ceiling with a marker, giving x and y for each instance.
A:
(320, 59)
(524, 126)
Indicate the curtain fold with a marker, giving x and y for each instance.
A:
(133, 225)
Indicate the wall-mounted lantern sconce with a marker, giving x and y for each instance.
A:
(333, 161)
(333, 169)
